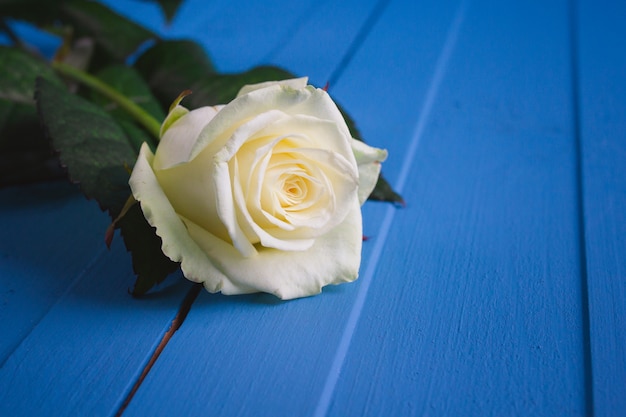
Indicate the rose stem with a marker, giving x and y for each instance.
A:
(144, 118)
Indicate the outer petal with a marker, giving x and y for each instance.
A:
(285, 274)
(177, 243)
(368, 160)
(306, 101)
(179, 137)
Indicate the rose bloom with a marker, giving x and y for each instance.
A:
(261, 194)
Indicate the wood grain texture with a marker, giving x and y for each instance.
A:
(602, 110)
(475, 307)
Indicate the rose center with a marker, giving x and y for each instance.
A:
(294, 190)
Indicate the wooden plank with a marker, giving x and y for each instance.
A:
(475, 307)
(50, 235)
(83, 357)
(307, 37)
(67, 321)
(254, 355)
(326, 42)
(602, 111)
(237, 38)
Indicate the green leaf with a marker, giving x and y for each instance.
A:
(141, 240)
(384, 192)
(171, 67)
(169, 7)
(117, 35)
(24, 153)
(92, 146)
(136, 135)
(18, 73)
(129, 83)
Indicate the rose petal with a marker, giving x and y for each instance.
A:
(319, 133)
(336, 175)
(177, 243)
(299, 274)
(260, 234)
(179, 138)
(250, 128)
(222, 179)
(368, 160)
(191, 190)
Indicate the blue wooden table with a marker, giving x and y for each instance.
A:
(499, 290)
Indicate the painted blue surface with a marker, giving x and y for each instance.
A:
(602, 109)
(499, 290)
(475, 306)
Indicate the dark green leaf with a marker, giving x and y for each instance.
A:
(384, 192)
(354, 131)
(117, 35)
(25, 155)
(169, 7)
(39, 12)
(136, 135)
(149, 262)
(18, 73)
(171, 67)
(91, 144)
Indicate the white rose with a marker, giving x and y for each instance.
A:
(262, 194)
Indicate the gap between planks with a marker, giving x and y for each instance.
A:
(177, 322)
(424, 116)
(365, 30)
(580, 197)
